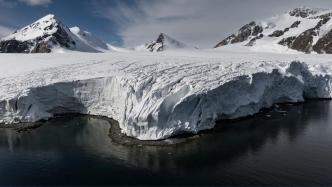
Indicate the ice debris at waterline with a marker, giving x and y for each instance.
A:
(157, 96)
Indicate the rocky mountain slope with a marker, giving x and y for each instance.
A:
(162, 43)
(301, 29)
(48, 34)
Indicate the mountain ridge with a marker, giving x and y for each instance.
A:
(302, 29)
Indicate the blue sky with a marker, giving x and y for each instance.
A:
(201, 23)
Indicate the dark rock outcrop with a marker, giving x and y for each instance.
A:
(226, 41)
(160, 40)
(304, 42)
(151, 47)
(62, 37)
(287, 41)
(14, 46)
(295, 24)
(327, 15)
(324, 44)
(41, 47)
(252, 41)
(277, 33)
(322, 22)
(302, 12)
(249, 30)
(163, 41)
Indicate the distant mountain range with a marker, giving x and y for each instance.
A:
(48, 34)
(301, 29)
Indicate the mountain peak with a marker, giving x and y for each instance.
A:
(46, 20)
(162, 43)
(46, 25)
(48, 17)
(161, 38)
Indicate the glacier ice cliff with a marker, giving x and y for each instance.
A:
(157, 100)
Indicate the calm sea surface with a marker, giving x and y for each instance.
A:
(289, 145)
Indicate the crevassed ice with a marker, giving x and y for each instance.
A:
(155, 97)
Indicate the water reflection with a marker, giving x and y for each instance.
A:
(244, 150)
(230, 140)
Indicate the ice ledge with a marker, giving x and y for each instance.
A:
(150, 111)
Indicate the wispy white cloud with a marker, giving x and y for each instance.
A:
(7, 3)
(12, 3)
(4, 31)
(197, 22)
(37, 2)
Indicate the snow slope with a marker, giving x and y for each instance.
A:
(157, 95)
(86, 38)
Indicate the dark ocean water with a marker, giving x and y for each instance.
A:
(290, 145)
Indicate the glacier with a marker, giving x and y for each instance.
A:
(156, 96)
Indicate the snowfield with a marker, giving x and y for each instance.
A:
(157, 95)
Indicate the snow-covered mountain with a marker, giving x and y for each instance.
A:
(48, 34)
(163, 42)
(301, 29)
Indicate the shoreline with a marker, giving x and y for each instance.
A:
(118, 137)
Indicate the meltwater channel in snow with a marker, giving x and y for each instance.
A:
(154, 96)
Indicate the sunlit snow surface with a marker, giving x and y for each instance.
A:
(157, 95)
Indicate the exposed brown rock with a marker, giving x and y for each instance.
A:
(287, 41)
(253, 41)
(42, 47)
(277, 33)
(163, 43)
(323, 16)
(62, 37)
(14, 46)
(321, 23)
(304, 41)
(226, 41)
(251, 29)
(324, 44)
(302, 12)
(295, 24)
(257, 29)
